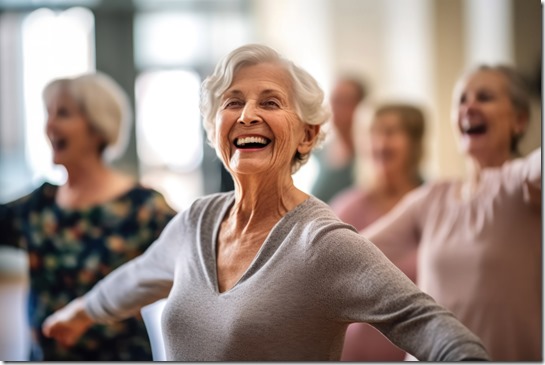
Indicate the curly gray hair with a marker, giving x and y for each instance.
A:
(309, 97)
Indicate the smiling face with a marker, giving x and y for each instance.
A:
(486, 119)
(72, 138)
(390, 148)
(257, 127)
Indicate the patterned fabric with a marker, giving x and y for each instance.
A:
(70, 250)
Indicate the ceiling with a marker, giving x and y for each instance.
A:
(22, 5)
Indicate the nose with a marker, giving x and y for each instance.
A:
(48, 122)
(469, 106)
(378, 141)
(249, 114)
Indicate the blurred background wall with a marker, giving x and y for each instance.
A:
(161, 50)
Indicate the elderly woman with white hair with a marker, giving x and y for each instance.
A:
(266, 272)
(78, 232)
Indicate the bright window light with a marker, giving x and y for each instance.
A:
(168, 128)
(55, 44)
(169, 39)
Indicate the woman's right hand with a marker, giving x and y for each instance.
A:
(68, 323)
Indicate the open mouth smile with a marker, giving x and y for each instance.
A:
(251, 142)
(59, 143)
(473, 129)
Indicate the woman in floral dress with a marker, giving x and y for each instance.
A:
(78, 232)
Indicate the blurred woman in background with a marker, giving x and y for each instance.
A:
(392, 152)
(76, 233)
(479, 238)
(337, 157)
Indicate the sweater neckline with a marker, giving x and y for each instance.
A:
(269, 245)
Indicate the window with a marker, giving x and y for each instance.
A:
(168, 133)
(52, 44)
(174, 50)
(168, 120)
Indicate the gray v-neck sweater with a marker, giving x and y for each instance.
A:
(312, 277)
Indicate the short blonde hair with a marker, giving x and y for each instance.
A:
(105, 105)
(309, 97)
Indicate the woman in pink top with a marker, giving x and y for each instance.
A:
(479, 239)
(392, 151)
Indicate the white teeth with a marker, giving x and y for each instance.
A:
(467, 124)
(245, 140)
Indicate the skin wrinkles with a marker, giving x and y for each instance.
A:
(259, 102)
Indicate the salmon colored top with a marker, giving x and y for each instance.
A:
(480, 257)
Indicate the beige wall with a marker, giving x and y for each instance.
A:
(410, 50)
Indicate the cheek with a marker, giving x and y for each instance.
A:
(401, 145)
(503, 123)
(220, 134)
(399, 148)
(289, 132)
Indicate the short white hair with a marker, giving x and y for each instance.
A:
(105, 105)
(308, 96)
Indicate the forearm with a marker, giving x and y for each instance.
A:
(533, 164)
(431, 333)
(531, 188)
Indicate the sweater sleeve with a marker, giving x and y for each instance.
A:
(397, 234)
(139, 282)
(11, 216)
(8, 231)
(531, 166)
(364, 286)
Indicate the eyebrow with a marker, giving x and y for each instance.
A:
(266, 92)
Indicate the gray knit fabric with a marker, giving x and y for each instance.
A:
(312, 277)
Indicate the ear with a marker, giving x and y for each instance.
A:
(310, 134)
(521, 124)
(97, 137)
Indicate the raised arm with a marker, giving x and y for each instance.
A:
(397, 233)
(531, 166)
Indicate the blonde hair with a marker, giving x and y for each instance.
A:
(105, 105)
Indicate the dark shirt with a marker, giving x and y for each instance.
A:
(70, 250)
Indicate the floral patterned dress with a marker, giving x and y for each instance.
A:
(70, 250)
